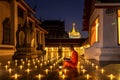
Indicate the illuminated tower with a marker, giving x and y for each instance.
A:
(74, 33)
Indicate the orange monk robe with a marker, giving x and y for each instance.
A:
(73, 61)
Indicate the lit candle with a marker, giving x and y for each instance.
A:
(93, 64)
(8, 62)
(83, 71)
(26, 59)
(28, 64)
(65, 70)
(33, 60)
(102, 71)
(23, 62)
(96, 67)
(6, 66)
(81, 67)
(21, 67)
(87, 76)
(111, 76)
(28, 71)
(34, 63)
(46, 71)
(79, 63)
(39, 76)
(60, 73)
(63, 76)
(45, 63)
(51, 67)
(15, 76)
(54, 64)
(9, 70)
(41, 64)
(35, 66)
(16, 64)
(60, 67)
(15, 61)
(38, 61)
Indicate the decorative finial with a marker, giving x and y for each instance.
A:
(73, 24)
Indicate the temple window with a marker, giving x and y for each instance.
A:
(94, 32)
(119, 27)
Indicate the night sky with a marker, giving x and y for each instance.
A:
(65, 10)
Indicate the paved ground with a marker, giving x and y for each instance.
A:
(51, 70)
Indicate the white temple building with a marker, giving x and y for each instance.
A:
(74, 33)
(102, 20)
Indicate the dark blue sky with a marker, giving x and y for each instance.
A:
(65, 10)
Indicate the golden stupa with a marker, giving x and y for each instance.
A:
(74, 33)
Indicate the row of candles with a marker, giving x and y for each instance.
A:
(28, 70)
(88, 76)
(28, 63)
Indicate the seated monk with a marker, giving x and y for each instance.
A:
(72, 62)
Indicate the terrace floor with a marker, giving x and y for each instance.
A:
(36, 69)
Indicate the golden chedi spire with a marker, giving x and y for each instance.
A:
(74, 33)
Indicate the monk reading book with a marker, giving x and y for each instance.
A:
(71, 62)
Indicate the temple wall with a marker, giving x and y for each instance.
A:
(4, 12)
(106, 49)
(110, 29)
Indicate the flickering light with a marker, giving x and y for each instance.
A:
(46, 71)
(9, 70)
(54, 64)
(38, 61)
(28, 64)
(45, 63)
(6, 66)
(51, 67)
(83, 71)
(23, 62)
(26, 59)
(8, 62)
(81, 67)
(28, 70)
(21, 67)
(15, 61)
(87, 76)
(15, 76)
(60, 73)
(16, 64)
(63, 76)
(36, 66)
(39, 76)
(93, 64)
(65, 70)
(41, 64)
(96, 67)
(60, 67)
(102, 70)
(111, 76)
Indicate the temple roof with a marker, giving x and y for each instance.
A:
(74, 33)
